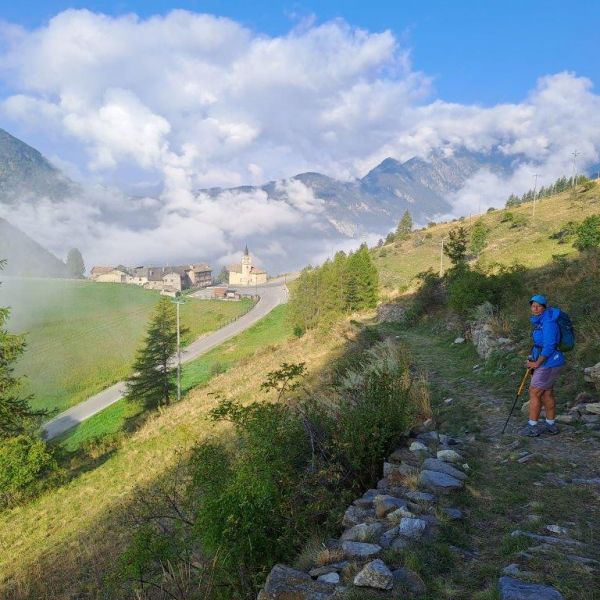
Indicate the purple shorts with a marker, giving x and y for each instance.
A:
(545, 378)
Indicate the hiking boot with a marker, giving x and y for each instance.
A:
(531, 430)
(549, 429)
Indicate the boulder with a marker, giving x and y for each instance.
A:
(375, 575)
(459, 340)
(592, 375)
(337, 566)
(412, 528)
(514, 589)
(410, 581)
(454, 514)
(434, 464)
(396, 515)
(366, 500)
(449, 456)
(386, 540)
(439, 482)
(593, 407)
(355, 515)
(418, 447)
(385, 504)
(363, 532)
(332, 577)
(285, 582)
(415, 496)
(360, 549)
(566, 419)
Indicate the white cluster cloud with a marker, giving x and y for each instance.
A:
(197, 101)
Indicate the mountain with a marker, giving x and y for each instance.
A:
(25, 257)
(376, 202)
(26, 174)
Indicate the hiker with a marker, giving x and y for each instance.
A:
(547, 361)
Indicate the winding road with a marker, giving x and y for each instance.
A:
(271, 295)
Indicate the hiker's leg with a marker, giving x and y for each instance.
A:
(535, 403)
(549, 402)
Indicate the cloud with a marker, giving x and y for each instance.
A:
(195, 100)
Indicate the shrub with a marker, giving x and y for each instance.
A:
(26, 468)
(587, 235)
(507, 217)
(565, 233)
(467, 289)
(430, 296)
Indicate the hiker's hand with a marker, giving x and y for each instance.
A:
(533, 364)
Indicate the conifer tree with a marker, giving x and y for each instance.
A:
(479, 237)
(456, 246)
(75, 264)
(16, 415)
(404, 226)
(152, 381)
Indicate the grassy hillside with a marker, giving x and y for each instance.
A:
(529, 243)
(82, 336)
(62, 544)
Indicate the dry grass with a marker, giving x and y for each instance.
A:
(63, 543)
(399, 262)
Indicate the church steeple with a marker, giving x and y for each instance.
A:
(246, 253)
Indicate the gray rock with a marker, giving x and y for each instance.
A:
(593, 407)
(513, 589)
(360, 549)
(409, 580)
(332, 577)
(355, 515)
(453, 513)
(459, 340)
(412, 528)
(557, 529)
(429, 437)
(582, 560)
(418, 447)
(399, 543)
(363, 532)
(385, 504)
(590, 419)
(366, 500)
(386, 540)
(592, 375)
(514, 570)
(434, 464)
(285, 582)
(567, 419)
(420, 496)
(396, 515)
(330, 568)
(375, 575)
(449, 456)
(439, 482)
(582, 481)
(546, 539)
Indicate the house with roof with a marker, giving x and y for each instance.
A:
(246, 273)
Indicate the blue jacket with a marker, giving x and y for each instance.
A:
(546, 336)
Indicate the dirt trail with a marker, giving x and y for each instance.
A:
(533, 485)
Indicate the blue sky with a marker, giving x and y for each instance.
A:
(477, 51)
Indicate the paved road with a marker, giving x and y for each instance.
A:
(270, 297)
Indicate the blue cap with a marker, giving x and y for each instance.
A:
(539, 298)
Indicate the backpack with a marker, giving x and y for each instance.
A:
(567, 332)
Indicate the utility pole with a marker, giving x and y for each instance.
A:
(575, 154)
(177, 301)
(442, 258)
(534, 192)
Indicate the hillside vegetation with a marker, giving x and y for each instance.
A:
(515, 236)
(82, 336)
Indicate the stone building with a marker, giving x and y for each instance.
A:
(245, 273)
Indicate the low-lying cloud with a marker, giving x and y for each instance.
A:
(193, 101)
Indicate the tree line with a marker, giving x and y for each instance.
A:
(345, 284)
(562, 184)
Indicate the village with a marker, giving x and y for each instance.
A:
(197, 278)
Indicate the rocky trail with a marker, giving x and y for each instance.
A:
(465, 512)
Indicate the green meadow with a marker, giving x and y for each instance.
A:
(271, 330)
(82, 336)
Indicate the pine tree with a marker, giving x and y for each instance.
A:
(152, 381)
(456, 246)
(479, 237)
(75, 264)
(404, 226)
(16, 415)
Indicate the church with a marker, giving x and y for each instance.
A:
(245, 273)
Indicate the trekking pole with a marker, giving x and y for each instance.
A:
(519, 392)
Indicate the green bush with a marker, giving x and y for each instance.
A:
(429, 297)
(587, 235)
(467, 289)
(27, 467)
